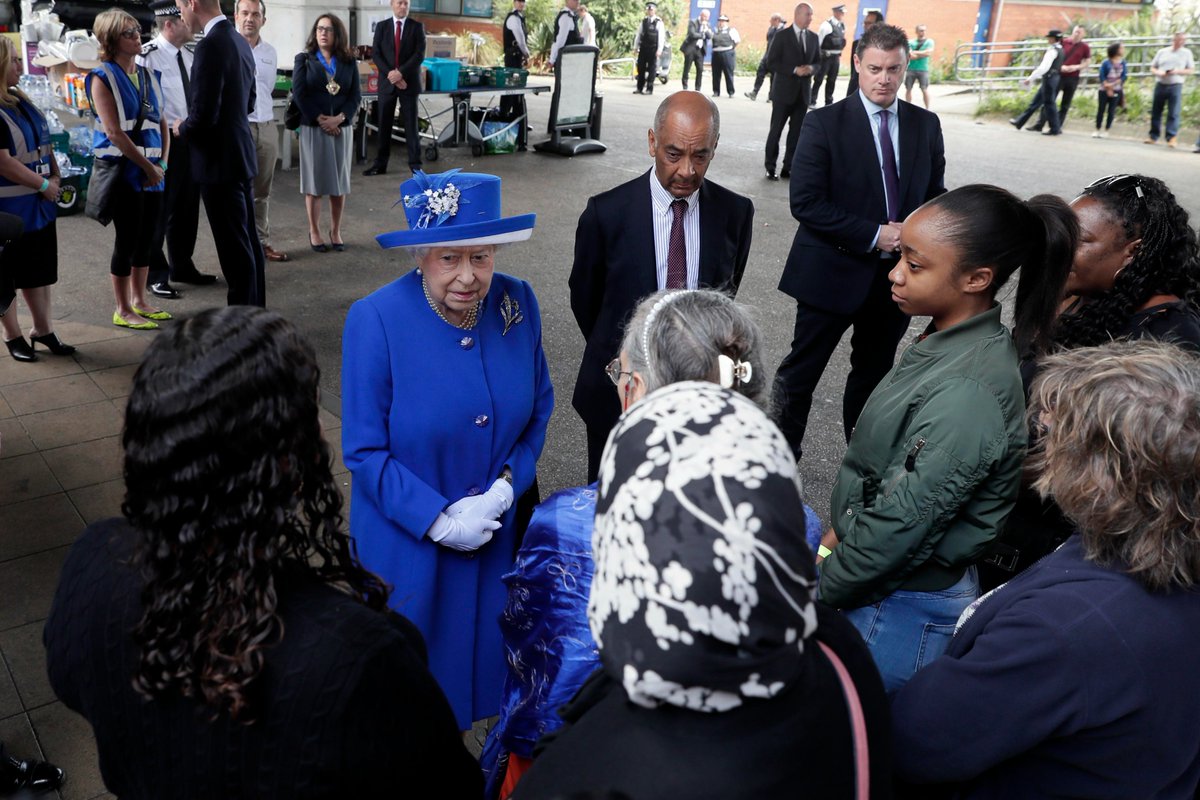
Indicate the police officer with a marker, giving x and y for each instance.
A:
(832, 38)
(170, 54)
(651, 36)
(724, 43)
(516, 54)
(566, 30)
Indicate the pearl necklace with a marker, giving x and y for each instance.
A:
(469, 319)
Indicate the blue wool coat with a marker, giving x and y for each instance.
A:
(431, 414)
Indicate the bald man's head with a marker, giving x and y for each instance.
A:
(684, 141)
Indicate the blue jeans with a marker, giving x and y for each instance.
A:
(1170, 95)
(907, 630)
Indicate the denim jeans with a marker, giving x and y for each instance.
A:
(1170, 95)
(907, 630)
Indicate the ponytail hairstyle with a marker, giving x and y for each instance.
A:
(695, 335)
(1167, 262)
(992, 227)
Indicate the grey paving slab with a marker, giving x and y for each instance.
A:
(37, 525)
(24, 478)
(51, 393)
(29, 584)
(64, 426)
(86, 463)
(115, 382)
(12, 372)
(26, 658)
(100, 501)
(83, 334)
(114, 352)
(14, 441)
(67, 741)
(5, 409)
(10, 701)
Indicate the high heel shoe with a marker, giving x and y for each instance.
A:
(52, 343)
(321, 247)
(20, 350)
(337, 246)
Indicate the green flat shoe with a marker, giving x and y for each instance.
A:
(120, 322)
(158, 315)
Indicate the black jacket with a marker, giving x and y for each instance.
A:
(309, 79)
(837, 197)
(222, 97)
(784, 54)
(615, 268)
(412, 53)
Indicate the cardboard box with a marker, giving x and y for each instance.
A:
(441, 46)
(368, 77)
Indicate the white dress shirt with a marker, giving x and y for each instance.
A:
(873, 110)
(660, 207)
(1047, 62)
(565, 24)
(266, 62)
(514, 25)
(162, 59)
(212, 22)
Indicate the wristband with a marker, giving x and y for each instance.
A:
(823, 551)
(45, 185)
(163, 164)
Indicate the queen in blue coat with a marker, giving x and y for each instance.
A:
(445, 397)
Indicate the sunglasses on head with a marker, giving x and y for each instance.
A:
(1118, 183)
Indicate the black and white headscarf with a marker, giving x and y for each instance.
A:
(701, 595)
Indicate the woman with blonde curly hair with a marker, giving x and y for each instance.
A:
(1077, 678)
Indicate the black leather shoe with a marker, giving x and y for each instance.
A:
(164, 290)
(374, 170)
(39, 776)
(51, 342)
(20, 350)
(415, 167)
(196, 279)
(785, 173)
(1015, 123)
(771, 176)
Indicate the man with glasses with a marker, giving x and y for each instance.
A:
(250, 16)
(217, 129)
(170, 53)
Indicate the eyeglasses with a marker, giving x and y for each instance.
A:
(324, 29)
(131, 33)
(1118, 183)
(614, 371)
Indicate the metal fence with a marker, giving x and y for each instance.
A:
(1000, 65)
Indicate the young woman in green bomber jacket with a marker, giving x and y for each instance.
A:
(934, 463)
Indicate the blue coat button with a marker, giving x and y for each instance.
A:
(481, 421)
(466, 343)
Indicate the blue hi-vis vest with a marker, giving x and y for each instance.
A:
(30, 145)
(128, 101)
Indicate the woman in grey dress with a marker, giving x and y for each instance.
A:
(325, 87)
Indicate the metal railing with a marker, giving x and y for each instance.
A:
(999, 65)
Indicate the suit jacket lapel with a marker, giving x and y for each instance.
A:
(711, 231)
(641, 230)
(908, 152)
(864, 142)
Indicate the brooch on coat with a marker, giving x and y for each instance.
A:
(510, 312)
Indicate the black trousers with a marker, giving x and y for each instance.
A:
(878, 328)
(387, 121)
(827, 71)
(230, 209)
(179, 220)
(1067, 84)
(134, 217)
(1043, 100)
(792, 115)
(1107, 105)
(722, 64)
(597, 437)
(696, 58)
(852, 86)
(647, 70)
(513, 105)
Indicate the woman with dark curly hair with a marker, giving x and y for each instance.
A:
(1136, 274)
(223, 639)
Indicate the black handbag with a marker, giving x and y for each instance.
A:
(291, 117)
(106, 172)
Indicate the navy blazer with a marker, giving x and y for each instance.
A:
(783, 56)
(309, 79)
(412, 53)
(223, 94)
(615, 268)
(837, 197)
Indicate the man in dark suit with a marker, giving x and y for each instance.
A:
(397, 50)
(792, 58)
(669, 228)
(863, 165)
(224, 162)
(870, 19)
(699, 34)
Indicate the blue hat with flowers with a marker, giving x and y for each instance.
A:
(455, 208)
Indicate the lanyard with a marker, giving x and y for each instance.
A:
(330, 66)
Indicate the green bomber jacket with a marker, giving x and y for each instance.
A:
(933, 466)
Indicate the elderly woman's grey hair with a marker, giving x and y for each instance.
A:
(678, 336)
(683, 100)
(1121, 455)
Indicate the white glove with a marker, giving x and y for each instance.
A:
(462, 533)
(490, 505)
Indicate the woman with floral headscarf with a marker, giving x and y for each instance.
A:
(719, 674)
